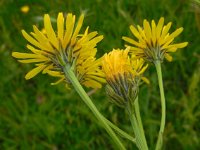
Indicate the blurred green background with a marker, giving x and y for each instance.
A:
(35, 115)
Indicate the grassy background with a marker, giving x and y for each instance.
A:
(35, 115)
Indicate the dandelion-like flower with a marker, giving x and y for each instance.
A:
(154, 42)
(25, 9)
(122, 75)
(50, 50)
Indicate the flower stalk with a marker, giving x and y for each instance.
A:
(119, 131)
(139, 120)
(70, 75)
(140, 137)
(163, 105)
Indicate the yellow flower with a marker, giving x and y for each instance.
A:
(25, 9)
(122, 75)
(116, 63)
(154, 42)
(50, 47)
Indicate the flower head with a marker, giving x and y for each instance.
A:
(122, 75)
(25, 9)
(116, 63)
(154, 42)
(48, 50)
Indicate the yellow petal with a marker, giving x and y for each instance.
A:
(59, 81)
(42, 39)
(91, 35)
(98, 74)
(96, 78)
(92, 43)
(135, 32)
(55, 73)
(92, 84)
(173, 35)
(50, 32)
(78, 27)
(36, 51)
(48, 68)
(33, 60)
(145, 80)
(131, 41)
(60, 26)
(69, 29)
(86, 31)
(147, 29)
(167, 43)
(159, 27)
(25, 55)
(166, 29)
(173, 49)
(168, 57)
(86, 37)
(179, 45)
(135, 49)
(142, 33)
(34, 72)
(143, 69)
(31, 40)
(153, 25)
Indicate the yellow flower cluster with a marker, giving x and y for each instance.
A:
(123, 72)
(154, 42)
(49, 48)
(118, 62)
(78, 50)
(25, 9)
(123, 75)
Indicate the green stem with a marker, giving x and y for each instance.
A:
(136, 128)
(139, 120)
(163, 106)
(120, 132)
(71, 76)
